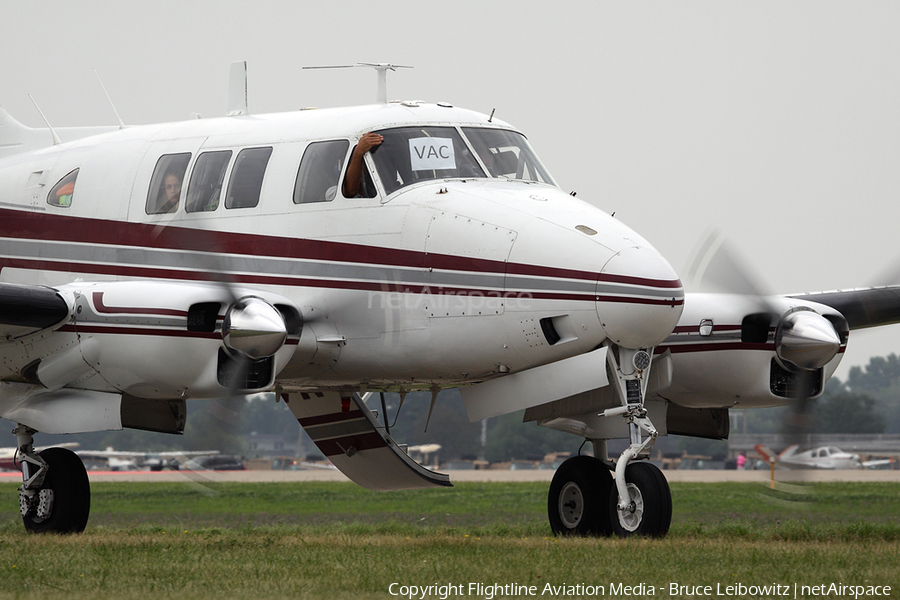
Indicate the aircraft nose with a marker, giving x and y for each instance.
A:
(639, 297)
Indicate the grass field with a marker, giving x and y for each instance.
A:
(337, 540)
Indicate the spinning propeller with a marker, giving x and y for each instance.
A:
(804, 341)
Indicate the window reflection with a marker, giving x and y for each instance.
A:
(247, 178)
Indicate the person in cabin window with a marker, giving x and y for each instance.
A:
(353, 179)
(172, 191)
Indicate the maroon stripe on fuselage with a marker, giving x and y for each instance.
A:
(118, 330)
(61, 228)
(145, 331)
(158, 273)
(133, 310)
(713, 347)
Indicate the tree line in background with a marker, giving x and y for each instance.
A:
(868, 402)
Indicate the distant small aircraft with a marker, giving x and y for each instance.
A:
(823, 457)
(10, 462)
(124, 460)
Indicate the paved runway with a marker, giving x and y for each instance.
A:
(486, 475)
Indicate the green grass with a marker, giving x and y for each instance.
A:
(336, 540)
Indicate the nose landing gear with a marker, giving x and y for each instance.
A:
(585, 500)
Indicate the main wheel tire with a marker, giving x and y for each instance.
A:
(578, 500)
(650, 513)
(68, 479)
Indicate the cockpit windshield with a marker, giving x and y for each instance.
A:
(507, 154)
(412, 154)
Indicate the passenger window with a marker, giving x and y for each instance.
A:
(247, 177)
(61, 194)
(165, 185)
(206, 181)
(320, 172)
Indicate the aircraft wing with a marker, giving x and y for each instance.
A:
(142, 455)
(868, 307)
(868, 464)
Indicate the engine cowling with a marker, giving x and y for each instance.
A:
(168, 339)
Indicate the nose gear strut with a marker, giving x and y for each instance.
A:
(641, 502)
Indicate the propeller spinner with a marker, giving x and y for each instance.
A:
(806, 340)
(253, 328)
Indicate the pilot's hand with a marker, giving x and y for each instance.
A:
(369, 141)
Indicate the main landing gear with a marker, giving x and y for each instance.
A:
(55, 496)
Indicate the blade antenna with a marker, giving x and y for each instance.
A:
(56, 139)
(103, 87)
(238, 100)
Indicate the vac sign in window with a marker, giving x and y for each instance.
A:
(429, 154)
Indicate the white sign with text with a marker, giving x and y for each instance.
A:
(430, 153)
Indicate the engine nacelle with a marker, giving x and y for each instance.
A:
(167, 339)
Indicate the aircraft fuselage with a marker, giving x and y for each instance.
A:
(447, 280)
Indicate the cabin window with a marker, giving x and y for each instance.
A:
(207, 178)
(247, 177)
(412, 154)
(61, 194)
(507, 154)
(165, 185)
(320, 171)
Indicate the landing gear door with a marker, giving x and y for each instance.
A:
(348, 433)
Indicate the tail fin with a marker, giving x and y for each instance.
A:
(12, 134)
(789, 451)
(16, 138)
(767, 453)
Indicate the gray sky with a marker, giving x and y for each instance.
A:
(775, 122)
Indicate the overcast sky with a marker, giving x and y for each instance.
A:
(775, 122)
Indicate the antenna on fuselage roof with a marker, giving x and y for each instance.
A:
(381, 68)
(56, 139)
(103, 87)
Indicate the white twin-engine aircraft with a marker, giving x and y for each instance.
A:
(146, 266)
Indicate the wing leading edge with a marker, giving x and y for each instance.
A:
(868, 307)
(26, 309)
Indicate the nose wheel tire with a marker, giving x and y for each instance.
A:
(63, 503)
(578, 500)
(649, 511)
